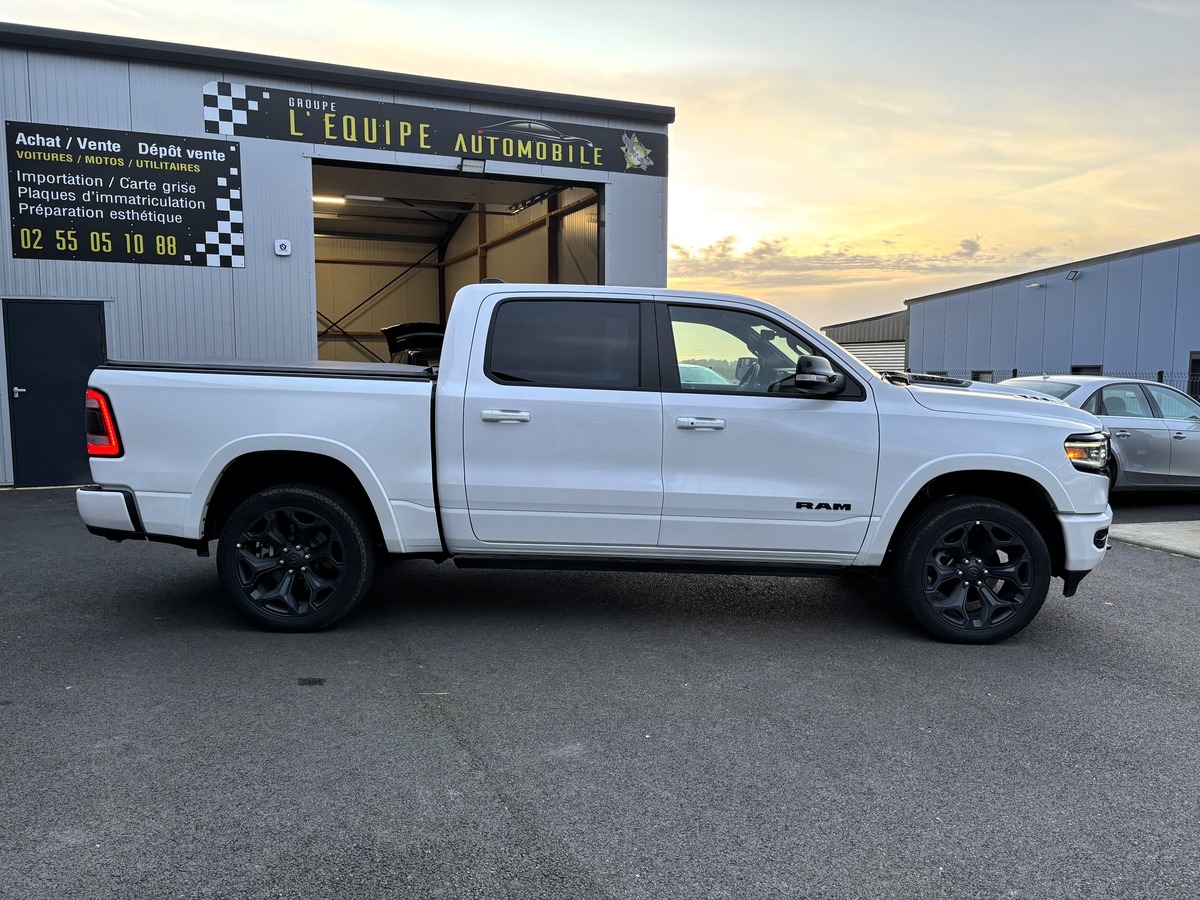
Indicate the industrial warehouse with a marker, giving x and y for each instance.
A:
(168, 202)
(1135, 313)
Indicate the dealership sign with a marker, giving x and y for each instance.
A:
(124, 196)
(244, 110)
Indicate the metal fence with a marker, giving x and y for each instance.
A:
(1188, 382)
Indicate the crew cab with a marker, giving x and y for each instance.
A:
(564, 425)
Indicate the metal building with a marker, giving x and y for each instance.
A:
(170, 202)
(1133, 314)
(879, 341)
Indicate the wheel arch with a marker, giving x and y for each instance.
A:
(242, 474)
(1021, 492)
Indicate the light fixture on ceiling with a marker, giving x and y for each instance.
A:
(1033, 284)
(1072, 275)
(534, 200)
(366, 198)
(317, 198)
(472, 166)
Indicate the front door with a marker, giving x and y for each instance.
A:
(52, 347)
(562, 427)
(750, 465)
(1140, 439)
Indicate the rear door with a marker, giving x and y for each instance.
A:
(562, 424)
(1181, 415)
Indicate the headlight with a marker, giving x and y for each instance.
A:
(1087, 452)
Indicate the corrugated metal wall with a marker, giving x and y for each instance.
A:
(1134, 313)
(269, 308)
(362, 299)
(884, 356)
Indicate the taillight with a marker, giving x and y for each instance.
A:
(101, 427)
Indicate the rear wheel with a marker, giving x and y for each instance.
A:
(973, 570)
(295, 557)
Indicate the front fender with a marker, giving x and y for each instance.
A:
(883, 525)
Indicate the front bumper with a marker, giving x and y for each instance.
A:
(1085, 540)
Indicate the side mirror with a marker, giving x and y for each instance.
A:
(814, 375)
(743, 366)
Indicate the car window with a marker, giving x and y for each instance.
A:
(565, 343)
(1173, 404)
(746, 353)
(1058, 389)
(1123, 400)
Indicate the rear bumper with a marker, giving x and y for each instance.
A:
(113, 514)
(108, 511)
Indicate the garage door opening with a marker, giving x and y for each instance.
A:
(394, 245)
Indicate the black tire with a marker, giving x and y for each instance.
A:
(295, 557)
(1112, 474)
(972, 570)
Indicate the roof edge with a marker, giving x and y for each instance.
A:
(1062, 267)
(207, 57)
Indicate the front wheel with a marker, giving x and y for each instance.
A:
(295, 557)
(973, 570)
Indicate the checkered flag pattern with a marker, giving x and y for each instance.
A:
(226, 247)
(226, 106)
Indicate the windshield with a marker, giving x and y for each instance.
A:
(1058, 389)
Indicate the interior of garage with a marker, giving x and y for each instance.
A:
(394, 245)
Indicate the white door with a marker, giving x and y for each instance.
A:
(562, 443)
(750, 465)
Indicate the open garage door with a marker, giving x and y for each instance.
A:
(394, 245)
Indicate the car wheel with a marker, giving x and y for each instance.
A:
(295, 557)
(1112, 473)
(973, 570)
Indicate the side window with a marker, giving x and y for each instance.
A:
(1123, 400)
(565, 343)
(730, 351)
(1173, 404)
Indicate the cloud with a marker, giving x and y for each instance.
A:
(774, 262)
(969, 247)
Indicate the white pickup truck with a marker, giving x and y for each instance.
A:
(603, 427)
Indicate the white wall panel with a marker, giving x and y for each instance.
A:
(72, 90)
(635, 231)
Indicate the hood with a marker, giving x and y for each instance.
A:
(981, 399)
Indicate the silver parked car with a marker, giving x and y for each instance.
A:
(1155, 428)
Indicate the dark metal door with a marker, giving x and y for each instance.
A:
(52, 347)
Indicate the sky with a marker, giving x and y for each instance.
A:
(834, 158)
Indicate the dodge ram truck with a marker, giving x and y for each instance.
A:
(603, 427)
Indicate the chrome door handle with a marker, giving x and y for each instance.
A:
(17, 392)
(699, 423)
(1179, 435)
(1121, 434)
(510, 416)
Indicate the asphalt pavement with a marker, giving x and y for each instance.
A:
(479, 734)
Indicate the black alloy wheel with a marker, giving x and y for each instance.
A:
(973, 570)
(295, 558)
